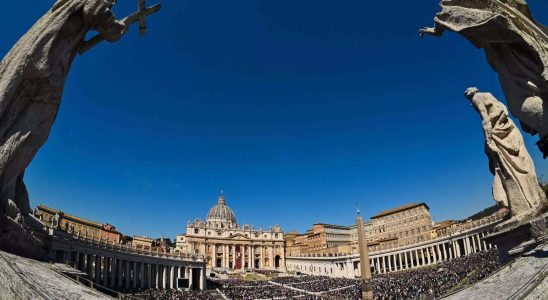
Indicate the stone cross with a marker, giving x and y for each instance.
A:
(139, 16)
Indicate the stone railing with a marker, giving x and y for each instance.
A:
(104, 244)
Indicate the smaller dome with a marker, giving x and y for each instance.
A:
(221, 212)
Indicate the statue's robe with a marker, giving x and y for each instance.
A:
(32, 77)
(516, 47)
(515, 181)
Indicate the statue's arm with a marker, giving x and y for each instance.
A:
(437, 30)
(99, 16)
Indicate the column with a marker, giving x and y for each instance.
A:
(405, 258)
(400, 263)
(443, 246)
(261, 264)
(384, 264)
(89, 266)
(223, 257)
(389, 263)
(422, 257)
(483, 234)
(120, 269)
(157, 277)
(233, 257)
(149, 275)
(106, 264)
(142, 274)
(438, 252)
(478, 241)
(97, 269)
(165, 274)
(127, 275)
(378, 266)
(271, 259)
(202, 279)
(242, 257)
(473, 244)
(395, 262)
(135, 273)
(252, 257)
(113, 273)
(414, 259)
(432, 251)
(190, 279)
(171, 277)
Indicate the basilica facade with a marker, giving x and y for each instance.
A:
(230, 246)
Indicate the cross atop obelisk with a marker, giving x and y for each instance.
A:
(367, 291)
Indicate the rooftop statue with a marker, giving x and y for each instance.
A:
(32, 79)
(516, 46)
(515, 184)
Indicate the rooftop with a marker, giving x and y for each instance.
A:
(398, 209)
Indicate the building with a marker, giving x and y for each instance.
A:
(77, 226)
(228, 245)
(404, 225)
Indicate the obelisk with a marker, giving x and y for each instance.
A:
(367, 292)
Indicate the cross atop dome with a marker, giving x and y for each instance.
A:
(221, 198)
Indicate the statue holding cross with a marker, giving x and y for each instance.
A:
(32, 79)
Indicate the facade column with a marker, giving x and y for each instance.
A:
(120, 269)
(252, 257)
(389, 263)
(149, 275)
(135, 272)
(157, 276)
(127, 274)
(89, 266)
(473, 244)
(378, 266)
(142, 275)
(97, 269)
(384, 264)
(405, 259)
(438, 252)
(171, 276)
(165, 276)
(113, 273)
(223, 255)
(395, 262)
(415, 259)
(423, 262)
(261, 265)
(400, 262)
(190, 279)
(202, 279)
(233, 257)
(478, 241)
(483, 234)
(443, 246)
(106, 264)
(433, 254)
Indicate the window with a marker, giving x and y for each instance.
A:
(196, 230)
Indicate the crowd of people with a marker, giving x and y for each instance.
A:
(433, 281)
(172, 294)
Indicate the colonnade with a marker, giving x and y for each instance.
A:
(119, 269)
(394, 260)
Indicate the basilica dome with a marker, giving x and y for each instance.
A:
(221, 213)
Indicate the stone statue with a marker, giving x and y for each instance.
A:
(32, 78)
(515, 184)
(516, 47)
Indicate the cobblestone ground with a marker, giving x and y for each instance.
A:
(23, 278)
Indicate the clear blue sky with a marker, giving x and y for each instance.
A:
(296, 109)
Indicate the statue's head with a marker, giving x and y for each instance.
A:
(470, 92)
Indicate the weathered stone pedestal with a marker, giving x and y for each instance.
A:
(514, 238)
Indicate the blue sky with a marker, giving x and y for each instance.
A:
(296, 109)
